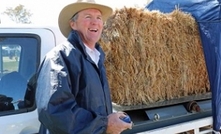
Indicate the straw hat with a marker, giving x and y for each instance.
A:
(68, 11)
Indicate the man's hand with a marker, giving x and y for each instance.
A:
(115, 125)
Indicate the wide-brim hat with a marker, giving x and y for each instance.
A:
(68, 11)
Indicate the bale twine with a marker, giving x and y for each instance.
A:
(152, 56)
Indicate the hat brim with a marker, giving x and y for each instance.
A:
(68, 11)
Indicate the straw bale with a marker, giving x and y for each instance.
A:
(153, 56)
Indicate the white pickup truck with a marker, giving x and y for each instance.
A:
(21, 52)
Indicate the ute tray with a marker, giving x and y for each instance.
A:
(180, 100)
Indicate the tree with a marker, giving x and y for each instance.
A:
(19, 14)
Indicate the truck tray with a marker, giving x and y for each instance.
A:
(163, 103)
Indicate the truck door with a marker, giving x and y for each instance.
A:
(19, 60)
(21, 51)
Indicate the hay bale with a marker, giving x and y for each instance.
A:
(152, 56)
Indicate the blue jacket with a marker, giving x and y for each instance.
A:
(72, 94)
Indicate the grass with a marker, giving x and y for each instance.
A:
(10, 64)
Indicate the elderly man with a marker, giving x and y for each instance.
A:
(72, 93)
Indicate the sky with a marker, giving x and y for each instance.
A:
(45, 12)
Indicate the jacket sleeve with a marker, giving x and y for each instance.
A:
(57, 107)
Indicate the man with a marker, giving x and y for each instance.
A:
(73, 94)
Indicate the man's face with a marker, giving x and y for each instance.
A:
(89, 24)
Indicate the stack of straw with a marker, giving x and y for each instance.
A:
(152, 56)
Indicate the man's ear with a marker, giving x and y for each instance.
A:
(72, 24)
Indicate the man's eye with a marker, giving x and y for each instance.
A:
(87, 16)
(99, 18)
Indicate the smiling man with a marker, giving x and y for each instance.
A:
(72, 94)
(89, 25)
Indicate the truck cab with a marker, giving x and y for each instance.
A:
(22, 49)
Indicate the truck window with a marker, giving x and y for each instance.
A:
(18, 63)
(10, 58)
